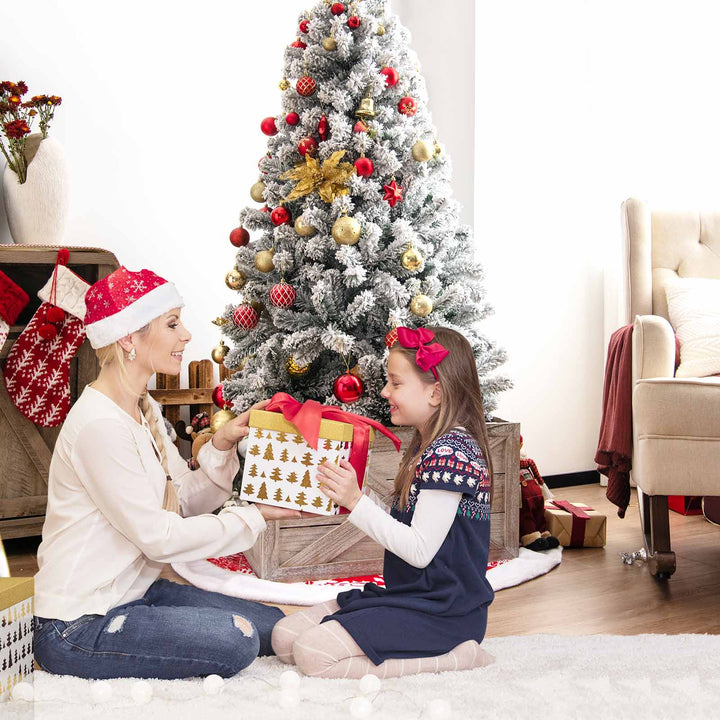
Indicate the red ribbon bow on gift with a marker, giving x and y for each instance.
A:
(427, 356)
(306, 418)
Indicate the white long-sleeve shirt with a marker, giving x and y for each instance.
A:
(106, 535)
(417, 543)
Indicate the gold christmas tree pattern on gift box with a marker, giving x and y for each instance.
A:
(288, 473)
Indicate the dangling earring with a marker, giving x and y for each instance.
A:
(131, 356)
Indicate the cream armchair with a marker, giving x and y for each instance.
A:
(676, 421)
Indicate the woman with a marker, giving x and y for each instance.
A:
(122, 503)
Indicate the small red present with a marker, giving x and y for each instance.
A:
(685, 504)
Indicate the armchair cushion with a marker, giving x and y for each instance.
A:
(694, 309)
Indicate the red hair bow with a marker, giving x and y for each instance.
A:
(427, 356)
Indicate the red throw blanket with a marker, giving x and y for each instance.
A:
(614, 451)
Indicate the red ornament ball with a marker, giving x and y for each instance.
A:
(292, 118)
(265, 209)
(268, 126)
(391, 338)
(364, 167)
(304, 26)
(55, 314)
(218, 399)
(323, 128)
(354, 22)
(360, 126)
(348, 388)
(47, 331)
(298, 44)
(239, 237)
(307, 146)
(407, 106)
(280, 216)
(282, 295)
(337, 9)
(306, 86)
(391, 75)
(245, 316)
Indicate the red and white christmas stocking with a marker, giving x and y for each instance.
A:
(12, 301)
(37, 371)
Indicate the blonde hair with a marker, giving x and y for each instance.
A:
(461, 404)
(114, 356)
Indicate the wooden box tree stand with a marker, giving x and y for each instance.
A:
(25, 449)
(330, 547)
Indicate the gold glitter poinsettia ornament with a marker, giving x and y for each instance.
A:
(328, 179)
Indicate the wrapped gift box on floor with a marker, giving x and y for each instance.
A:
(281, 467)
(16, 632)
(575, 524)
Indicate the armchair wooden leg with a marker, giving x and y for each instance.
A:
(656, 529)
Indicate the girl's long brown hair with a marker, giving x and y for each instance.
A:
(461, 404)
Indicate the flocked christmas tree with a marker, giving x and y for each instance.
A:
(355, 232)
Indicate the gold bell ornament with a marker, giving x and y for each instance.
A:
(412, 259)
(304, 230)
(366, 109)
(421, 305)
(284, 84)
(346, 230)
(421, 151)
(264, 260)
(257, 190)
(219, 352)
(294, 369)
(235, 279)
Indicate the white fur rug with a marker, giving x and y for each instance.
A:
(242, 582)
(664, 677)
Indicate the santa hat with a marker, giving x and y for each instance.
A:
(125, 301)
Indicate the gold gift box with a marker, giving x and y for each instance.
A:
(280, 467)
(16, 632)
(560, 524)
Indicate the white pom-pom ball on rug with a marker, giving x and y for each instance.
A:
(213, 685)
(23, 691)
(369, 684)
(360, 707)
(141, 692)
(289, 680)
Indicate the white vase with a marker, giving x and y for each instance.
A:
(37, 209)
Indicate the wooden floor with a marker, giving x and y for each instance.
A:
(592, 591)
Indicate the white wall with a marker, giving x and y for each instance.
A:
(578, 105)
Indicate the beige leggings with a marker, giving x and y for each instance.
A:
(328, 650)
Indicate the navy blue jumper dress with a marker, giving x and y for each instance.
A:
(428, 611)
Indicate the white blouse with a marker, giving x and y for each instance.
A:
(106, 536)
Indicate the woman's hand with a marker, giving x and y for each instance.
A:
(340, 483)
(234, 431)
(270, 512)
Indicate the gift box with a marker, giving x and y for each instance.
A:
(16, 632)
(685, 504)
(289, 440)
(575, 524)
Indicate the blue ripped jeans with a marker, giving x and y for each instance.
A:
(174, 631)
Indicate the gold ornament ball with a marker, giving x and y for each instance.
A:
(257, 190)
(219, 352)
(264, 261)
(412, 259)
(329, 44)
(220, 418)
(294, 369)
(346, 230)
(284, 84)
(235, 279)
(421, 151)
(304, 230)
(421, 305)
(380, 30)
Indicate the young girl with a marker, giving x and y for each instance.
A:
(432, 614)
(122, 503)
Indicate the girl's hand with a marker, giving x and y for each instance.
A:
(340, 483)
(234, 431)
(270, 512)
